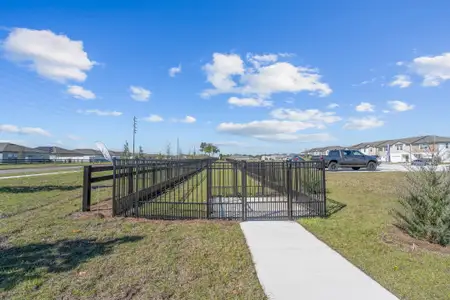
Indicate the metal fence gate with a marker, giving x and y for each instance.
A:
(211, 189)
(267, 190)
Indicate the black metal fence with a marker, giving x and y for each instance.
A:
(211, 189)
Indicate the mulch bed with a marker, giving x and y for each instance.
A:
(398, 237)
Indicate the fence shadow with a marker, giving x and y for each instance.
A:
(20, 263)
(37, 189)
(334, 207)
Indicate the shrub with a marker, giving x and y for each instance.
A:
(425, 205)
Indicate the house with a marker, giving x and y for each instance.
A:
(408, 149)
(91, 155)
(61, 154)
(11, 152)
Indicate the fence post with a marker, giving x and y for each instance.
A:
(136, 194)
(130, 180)
(244, 190)
(114, 186)
(324, 187)
(86, 206)
(263, 177)
(208, 190)
(289, 189)
(235, 179)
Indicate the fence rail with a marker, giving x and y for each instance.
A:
(155, 177)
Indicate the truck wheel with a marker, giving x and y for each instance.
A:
(356, 168)
(371, 166)
(332, 166)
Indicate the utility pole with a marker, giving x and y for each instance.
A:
(134, 132)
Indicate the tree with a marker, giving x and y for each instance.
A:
(425, 205)
(209, 148)
(203, 145)
(168, 150)
(141, 153)
(126, 151)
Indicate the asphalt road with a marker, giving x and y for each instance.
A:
(41, 169)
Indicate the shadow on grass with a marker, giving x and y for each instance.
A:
(30, 261)
(333, 207)
(37, 189)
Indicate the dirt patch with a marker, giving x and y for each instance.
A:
(104, 210)
(400, 238)
(99, 210)
(4, 244)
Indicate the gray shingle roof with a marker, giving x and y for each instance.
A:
(9, 147)
(58, 150)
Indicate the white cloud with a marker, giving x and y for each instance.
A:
(365, 107)
(332, 105)
(80, 93)
(58, 142)
(259, 60)
(365, 82)
(153, 118)
(433, 69)
(386, 111)
(187, 119)
(402, 81)
(52, 56)
(273, 130)
(400, 106)
(313, 116)
(265, 78)
(74, 137)
(249, 102)
(174, 70)
(139, 93)
(7, 128)
(219, 72)
(229, 143)
(363, 123)
(101, 113)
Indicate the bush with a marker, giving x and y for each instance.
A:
(425, 205)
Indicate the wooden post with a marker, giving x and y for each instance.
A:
(86, 206)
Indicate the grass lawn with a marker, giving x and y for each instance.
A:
(356, 232)
(46, 253)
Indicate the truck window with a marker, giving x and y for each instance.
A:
(347, 152)
(333, 153)
(357, 153)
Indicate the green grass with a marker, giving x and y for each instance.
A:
(46, 253)
(356, 232)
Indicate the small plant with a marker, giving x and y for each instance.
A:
(425, 205)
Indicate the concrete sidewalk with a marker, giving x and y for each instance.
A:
(291, 263)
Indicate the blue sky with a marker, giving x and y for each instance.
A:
(250, 76)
